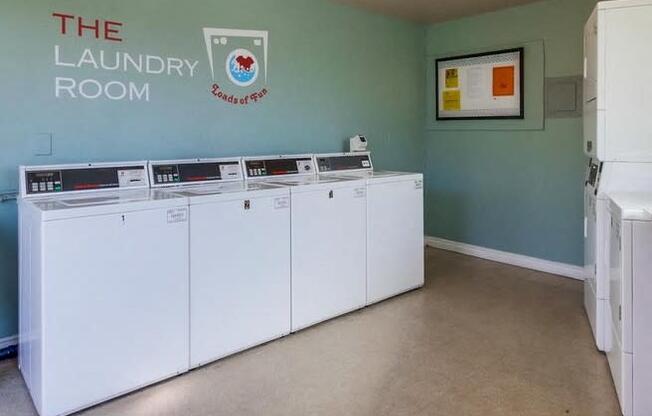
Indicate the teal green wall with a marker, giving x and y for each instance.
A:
(508, 189)
(333, 71)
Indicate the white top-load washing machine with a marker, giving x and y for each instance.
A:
(395, 246)
(103, 283)
(328, 237)
(629, 349)
(617, 131)
(239, 255)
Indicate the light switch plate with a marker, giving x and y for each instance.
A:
(42, 144)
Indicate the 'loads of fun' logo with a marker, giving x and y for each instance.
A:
(244, 53)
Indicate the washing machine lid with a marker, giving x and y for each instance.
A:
(168, 173)
(229, 191)
(631, 206)
(305, 180)
(383, 176)
(313, 183)
(95, 200)
(93, 203)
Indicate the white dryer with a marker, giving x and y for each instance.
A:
(103, 283)
(239, 255)
(629, 348)
(618, 82)
(328, 237)
(395, 246)
(603, 179)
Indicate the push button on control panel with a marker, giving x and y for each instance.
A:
(166, 174)
(257, 171)
(44, 181)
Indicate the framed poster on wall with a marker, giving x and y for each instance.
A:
(485, 85)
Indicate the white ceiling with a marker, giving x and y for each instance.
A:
(432, 11)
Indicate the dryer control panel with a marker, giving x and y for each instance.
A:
(178, 172)
(279, 166)
(44, 180)
(593, 175)
(343, 162)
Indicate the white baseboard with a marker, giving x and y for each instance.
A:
(8, 341)
(533, 263)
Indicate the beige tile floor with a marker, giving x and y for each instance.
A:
(480, 338)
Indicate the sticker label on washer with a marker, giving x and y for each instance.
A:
(304, 166)
(282, 202)
(366, 164)
(230, 172)
(359, 192)
(418, 184)
(132, 177)
(176, 215)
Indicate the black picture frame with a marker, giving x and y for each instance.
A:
(521, 116)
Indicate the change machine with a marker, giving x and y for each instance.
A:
(617, 133)
(103, 283)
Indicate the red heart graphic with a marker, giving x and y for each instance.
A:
(245, 63)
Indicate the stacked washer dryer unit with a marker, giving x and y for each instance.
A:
(103, 283)
(239, 255)
(617, 133)
(395, 246)
(328, 236)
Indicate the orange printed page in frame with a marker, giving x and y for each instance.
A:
(503, 81)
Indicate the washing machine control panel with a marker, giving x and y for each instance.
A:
(344, 162)
(89, 177)
(198, 171)
(263, 168)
